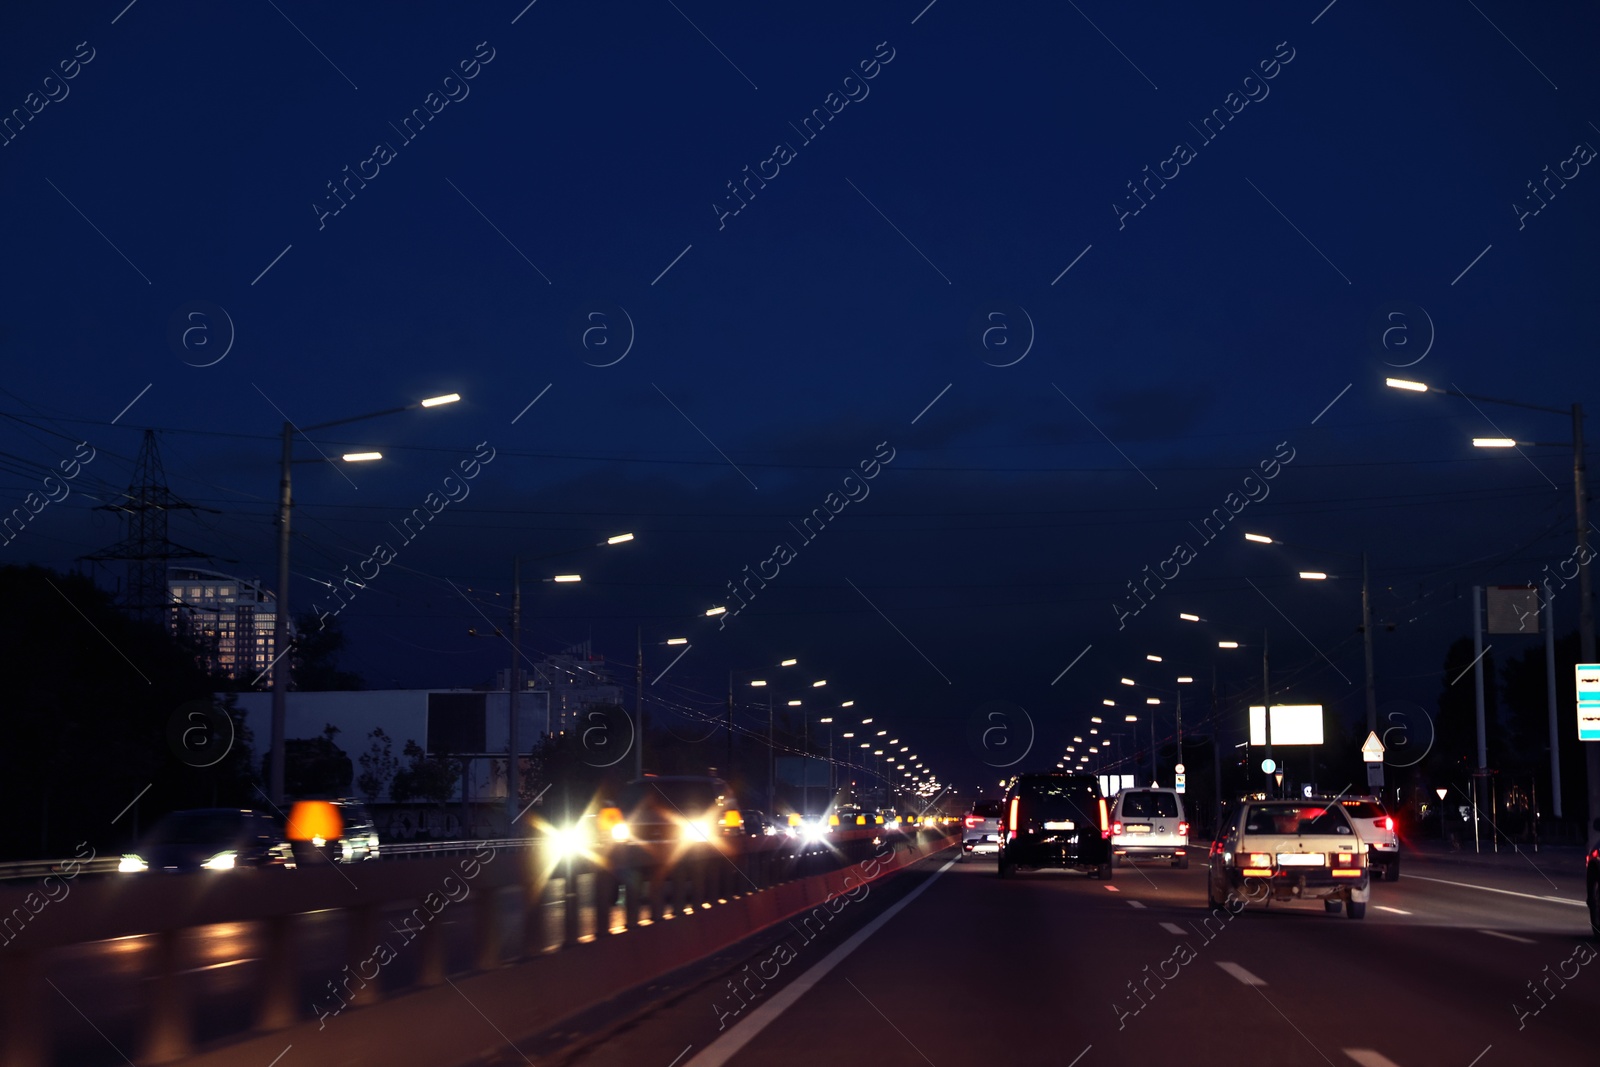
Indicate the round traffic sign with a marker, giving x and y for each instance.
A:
(1269, 766)
(1178, 769)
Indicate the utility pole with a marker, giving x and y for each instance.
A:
(1366, 643)
(638, 712)
(513, 764)
(1585, 612)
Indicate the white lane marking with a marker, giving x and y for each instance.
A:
(726, 1047)
(1368, 1058)
(1240, 973)
(1172, 928)
(1509, 937)
(1397, 911)
(1134, 904)
(1491, 889)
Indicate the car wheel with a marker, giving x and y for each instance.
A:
(1333, 907)
(1182, 863)
(1118, 861)
(1104, 871)
(1392, 872)
(1211, 897)
(1594, 907)
(1355, 909)
(1006, 869)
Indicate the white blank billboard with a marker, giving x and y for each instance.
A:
(1292, 724)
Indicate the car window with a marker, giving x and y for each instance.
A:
(1049, 800)
(986, 809)
(197, 828)
(1296, 819)
(670, 796)
(1363, 809)
(1148, 805)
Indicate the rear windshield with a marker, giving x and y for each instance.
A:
(1047, 800)
(1296, 819)
(986, 809)
(1363, 809)
(1149, 806)
(686, 797)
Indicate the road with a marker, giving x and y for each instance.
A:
(949, 965)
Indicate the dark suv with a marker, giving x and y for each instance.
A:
(1592, 884)
(1055, 820)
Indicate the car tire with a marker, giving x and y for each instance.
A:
(1007, 870)
(1594, 908)
(1119, 861)
(1355, 909)
(1391, 873)
(1182, 863)
(1333, 907)
(1104, 871)
(1211, 899)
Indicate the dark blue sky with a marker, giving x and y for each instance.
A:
(583, 170)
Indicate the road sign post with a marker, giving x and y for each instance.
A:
(1588, 675)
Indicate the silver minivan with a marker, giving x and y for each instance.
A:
(1149, 824)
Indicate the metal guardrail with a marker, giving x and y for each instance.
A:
(560, 900)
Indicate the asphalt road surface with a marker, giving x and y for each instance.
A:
(1454, 964)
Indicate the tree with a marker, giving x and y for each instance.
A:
(312, 664)
(378, 765)
(313, 766)
(1528, 722)
(430, 778)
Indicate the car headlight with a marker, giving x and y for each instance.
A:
(568, 841)
(131, 863)
(619, 831)
(697, 831)
(222, 861)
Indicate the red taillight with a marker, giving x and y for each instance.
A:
(1105, 825)
(1183, 829)
(1116, 828)
(973, 821)
(1011, 823)
(1388, 823)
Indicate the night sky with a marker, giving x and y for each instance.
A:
(1012, 296)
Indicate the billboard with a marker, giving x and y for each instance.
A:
(1292, 724)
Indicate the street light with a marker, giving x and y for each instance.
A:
(280, 622)
(1366, 616)
(1581, 515)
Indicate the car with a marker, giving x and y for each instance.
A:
(1055, 820)
(339, 829)
(757, 824)
(1280, 850)
(1376, 828)
(1149, 824)
(681, 810)
(210, 839)
(980, 830)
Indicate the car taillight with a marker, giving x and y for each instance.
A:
(1388, 823)
(1105, 825)
(972, 822)
(1256, 859)
(1183, 829)
(1011, 823)
(1345, 859)
(1116, 828)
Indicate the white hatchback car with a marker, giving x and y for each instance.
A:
(1149, 824)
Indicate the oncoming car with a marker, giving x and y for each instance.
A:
(210, 839)
(1279, 850)
(1149, 824)
(680, 810)
(1055, 820)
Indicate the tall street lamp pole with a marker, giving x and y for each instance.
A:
(280, 622)
(1581, 513)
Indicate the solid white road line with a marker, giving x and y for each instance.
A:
(1368, 1058)
(1173, 928)
(726, 1047)
(1509, 937)
(1135, 904)
(1397, 911)
(1491, 889)
(1240, 973)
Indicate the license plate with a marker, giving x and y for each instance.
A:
(1138, 828)
(1059, 826)
(1302, 859)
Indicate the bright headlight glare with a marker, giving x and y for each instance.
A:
(619, 832)
(130, 863)
(222, 861)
